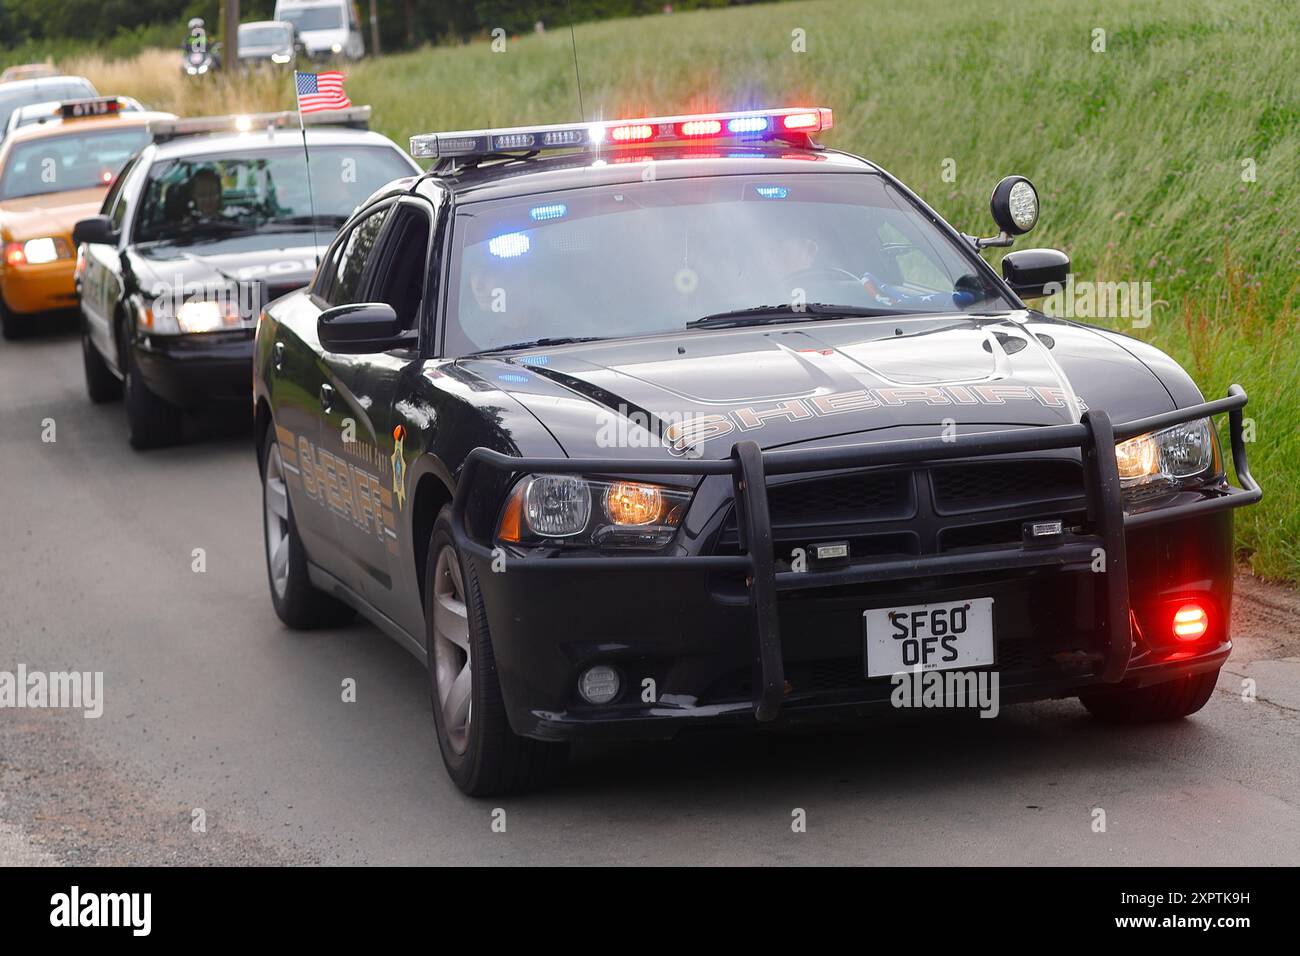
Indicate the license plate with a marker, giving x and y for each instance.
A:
(957, 634)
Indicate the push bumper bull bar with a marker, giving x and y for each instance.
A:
(749, 467)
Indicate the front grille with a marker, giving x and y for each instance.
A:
(992, 484)
(914, 511)
(856, 497)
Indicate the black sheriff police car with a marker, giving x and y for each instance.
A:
(628, 427)
(211, 220)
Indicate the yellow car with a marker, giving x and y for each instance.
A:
(52, 175)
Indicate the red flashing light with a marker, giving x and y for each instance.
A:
(706, 127)
(14, 255)
(811, 120)
(1191, 622)
(632, 134)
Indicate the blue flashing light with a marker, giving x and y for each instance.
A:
(511, 377)
(772, 192)
(747, 124)
(555, 210)
(534, 360)
(508, 245)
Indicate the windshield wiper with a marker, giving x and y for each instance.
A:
(541, 343)
(208, 230)
(294, 222)
(770, 314)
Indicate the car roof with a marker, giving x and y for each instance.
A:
(63, 127)
(203, 144)
(15, 71)
(50, 109)
(266, 23)
(522, 177)
(37, 83)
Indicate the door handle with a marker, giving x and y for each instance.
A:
(327, 397)
(277, 355)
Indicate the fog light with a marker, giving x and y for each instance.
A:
(1191, 622)
(599, 684)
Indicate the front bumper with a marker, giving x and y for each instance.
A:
(45, 287)
(725, 638)
(191, 371)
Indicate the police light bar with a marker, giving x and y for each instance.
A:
(788, 123)
(354, 117)
(92, 106)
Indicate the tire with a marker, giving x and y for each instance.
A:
(296, 601)
(483, 756)
(15, 326)
(1169, 700)
(151, 422)
(101, 384)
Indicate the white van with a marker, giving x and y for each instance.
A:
(326, 28)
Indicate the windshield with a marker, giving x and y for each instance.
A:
(650, 257)
(313, 18)
(215, 196)
(264, 36)
(71, 89)
(54, 164)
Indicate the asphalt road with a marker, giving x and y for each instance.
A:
(212, 705)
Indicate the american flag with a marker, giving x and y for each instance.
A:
(321, 91)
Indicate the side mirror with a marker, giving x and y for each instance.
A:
(1027, 271)
(362, 328)
(96, 231)
(1014, 205)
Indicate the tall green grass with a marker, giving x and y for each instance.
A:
(1137, 151)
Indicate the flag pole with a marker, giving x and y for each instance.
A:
(311, 200)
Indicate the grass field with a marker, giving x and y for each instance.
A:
(1139, 152)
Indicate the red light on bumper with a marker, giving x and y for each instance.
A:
(1190, 622)
(14, 255)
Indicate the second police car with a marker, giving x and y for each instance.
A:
(208, 223)
(634, 426)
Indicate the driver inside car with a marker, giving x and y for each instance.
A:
(205, 194)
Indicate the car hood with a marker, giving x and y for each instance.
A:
(54, 214)
(698, 393)
(322, 39)
(277, 270)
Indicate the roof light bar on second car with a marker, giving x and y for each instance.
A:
(787, 123)
(354, 117)
(91, 106)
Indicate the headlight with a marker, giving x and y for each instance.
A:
(191, 317)
(280, 57)
(37, 252)
(1162, 459)
(337, 48)
(557, 506)
(569, 509)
